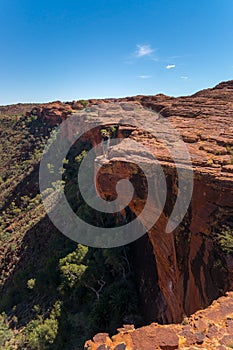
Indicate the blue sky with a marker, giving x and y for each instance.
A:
(71, 49)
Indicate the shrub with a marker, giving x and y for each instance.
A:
(80, 157)
(225, 239)
(72, 268)
(31, 283)
(41, 333)
(72, 273)
(84, 103)
(5, 332)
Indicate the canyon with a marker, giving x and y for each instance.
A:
(184, 277)
(191, 270)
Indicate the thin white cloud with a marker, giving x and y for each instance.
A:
(144, 76)
(144, 50)
(171, 58)
(170, 66)
(184, 77)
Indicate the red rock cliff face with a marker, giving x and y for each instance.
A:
(208, 329)
(192, 270)
(189, 263)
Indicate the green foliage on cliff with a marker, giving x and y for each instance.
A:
(225, 239)
(54, 294)
(5, 332)
(84, 103)
(41, 332)
(71, 266)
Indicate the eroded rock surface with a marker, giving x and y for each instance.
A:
(191, 268)
(210, 329)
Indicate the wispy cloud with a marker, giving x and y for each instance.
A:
(170, 66)
(171, 58)
(144, 76)
(184, 77)
(144, 50)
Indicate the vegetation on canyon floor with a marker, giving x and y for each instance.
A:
(54, 293)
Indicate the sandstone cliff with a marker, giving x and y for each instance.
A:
(210, 329)
(190, 269)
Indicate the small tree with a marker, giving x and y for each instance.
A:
(225, 239)
(5, 332)
(72, 267)
(41, 333)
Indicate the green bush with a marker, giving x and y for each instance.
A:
(72, 268)
(41, 333)
(225, 239)
(72, 273)
(84, 103)
(31, 283)
(5, 332)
